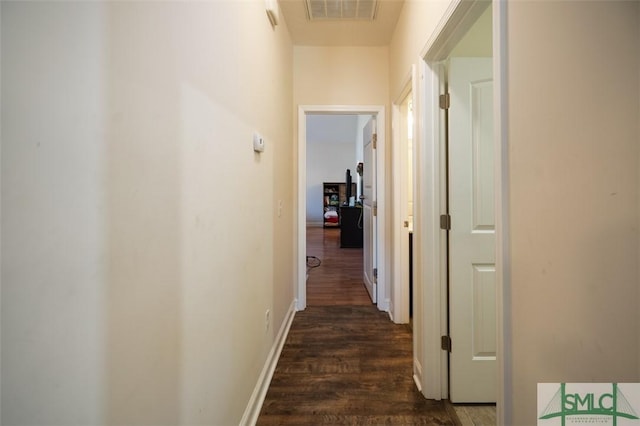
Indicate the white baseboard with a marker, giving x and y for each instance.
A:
(254, 406)
(384, 304)
(417, 374)
(416, 380)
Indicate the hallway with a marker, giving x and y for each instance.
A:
(345, 362)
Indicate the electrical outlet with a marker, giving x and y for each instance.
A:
(267, 320)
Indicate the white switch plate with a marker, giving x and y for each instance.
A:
(258, 142)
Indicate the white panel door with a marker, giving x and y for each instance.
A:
(368, 205)
(472, 285)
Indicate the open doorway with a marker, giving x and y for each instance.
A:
(332, 153)
(334, 213)
(377, 225)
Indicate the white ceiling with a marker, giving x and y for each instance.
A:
(340, 33)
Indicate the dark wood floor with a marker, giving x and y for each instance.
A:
(347, 365)
(344, 361)
(338, 279)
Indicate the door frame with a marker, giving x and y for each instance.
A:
(457, 20)
(399, 307)
(382, 250)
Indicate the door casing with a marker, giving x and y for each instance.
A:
(456, 21)
(399, 307)
(300, 291)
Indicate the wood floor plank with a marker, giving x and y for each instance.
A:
(476, 414)
(347, 365)
(339, 278)
(344, 362)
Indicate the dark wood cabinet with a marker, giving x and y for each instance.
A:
(350, 227)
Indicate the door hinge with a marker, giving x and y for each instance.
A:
(375, 140)
(445, 101)
(445, 343)
(375, 275)
(375, 208)
(445, 222)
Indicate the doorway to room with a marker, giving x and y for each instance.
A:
(311, 212)
(334, 213)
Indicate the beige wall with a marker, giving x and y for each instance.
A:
(139, 227)
(574, 195)
(136, 271)
(415, 26)
(574, 187)
(54, 237)
(342, 76)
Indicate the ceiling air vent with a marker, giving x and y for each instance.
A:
(331, 10)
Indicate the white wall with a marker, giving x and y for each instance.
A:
(574, 195)
(330, 152)
(334, 144)
(141, 241)
(326, 162)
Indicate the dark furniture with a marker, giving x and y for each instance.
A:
(334, 195)
(350, 227)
